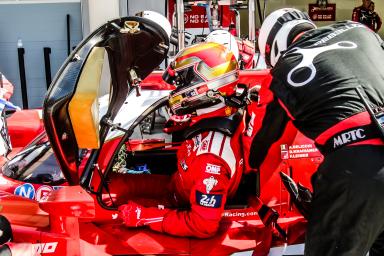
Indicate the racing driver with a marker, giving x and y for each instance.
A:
(330, 82)
(209, 160)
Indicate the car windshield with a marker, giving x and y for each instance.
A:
(35, 164)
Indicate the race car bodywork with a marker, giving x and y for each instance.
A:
(99, 154)
(20, 126)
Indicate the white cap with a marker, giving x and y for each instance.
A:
(159, 19)
(225, 38)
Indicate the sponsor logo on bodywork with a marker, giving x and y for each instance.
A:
(26, 190)
(230, 214)
(43, 192)
(39, 194)
(45, 247)
(298, 151)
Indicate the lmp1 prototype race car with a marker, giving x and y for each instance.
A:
(61, 192)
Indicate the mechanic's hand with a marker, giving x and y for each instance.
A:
(131, 214)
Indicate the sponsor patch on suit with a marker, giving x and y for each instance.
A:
(211, 201)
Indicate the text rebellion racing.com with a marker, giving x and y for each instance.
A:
(239, 214)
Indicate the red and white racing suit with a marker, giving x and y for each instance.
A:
(209, 170)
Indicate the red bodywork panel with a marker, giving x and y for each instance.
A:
(252, 78)
(24, 126)
(300, 168)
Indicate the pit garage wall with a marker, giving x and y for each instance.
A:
(37, 24)
(42, 24)
(135, 6)
(343, 10)
(97, 12)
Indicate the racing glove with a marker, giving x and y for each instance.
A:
(135, 215)
(267, 214)
(300, 195)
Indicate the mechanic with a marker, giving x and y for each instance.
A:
(210, 164)
(326, 79)
(367, 16)
(376, 20)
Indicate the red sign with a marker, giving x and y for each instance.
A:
(197, 18)
(320, 13)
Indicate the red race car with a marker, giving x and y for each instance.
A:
(99, 151)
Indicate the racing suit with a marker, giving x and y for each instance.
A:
(210, 166)
(314, 81)
(369, 18)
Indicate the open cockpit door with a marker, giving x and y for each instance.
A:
(112, 60)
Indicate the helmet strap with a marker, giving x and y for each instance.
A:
(225, 125)
(235, 100)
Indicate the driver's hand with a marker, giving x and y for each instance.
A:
(131, 214)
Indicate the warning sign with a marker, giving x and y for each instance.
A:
(322, 13)
(196, 19)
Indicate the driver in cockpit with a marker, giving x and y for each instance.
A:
(210, 160)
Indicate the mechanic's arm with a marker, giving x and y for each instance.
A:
(355, 15)
(378, 23)
(207, 198)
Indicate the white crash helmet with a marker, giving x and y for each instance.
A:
(157, 18)
(279, 29)
(225, 38)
